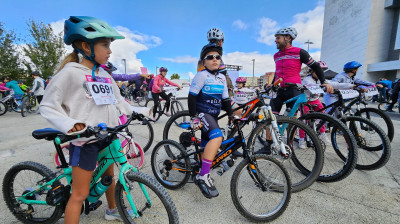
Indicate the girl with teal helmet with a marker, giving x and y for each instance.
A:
(71, 104)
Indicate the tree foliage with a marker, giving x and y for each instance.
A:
(175, 76)
(10, 62)
(45, 51)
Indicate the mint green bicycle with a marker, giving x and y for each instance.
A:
(35, 194)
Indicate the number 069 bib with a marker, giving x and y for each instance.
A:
(102, 93)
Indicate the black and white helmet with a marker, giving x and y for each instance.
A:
(287, 31)
(215, 34)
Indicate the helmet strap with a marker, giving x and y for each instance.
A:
(90, 58)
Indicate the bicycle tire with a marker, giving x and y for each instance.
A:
(336, 167)
(142, 99)
(176, 124)
(284, 189)
(176, 106)
(162, 164)
(143, 138)
(148, 211)
(379, 154)
(150, 104)
(3, 108)
(25, 107)
(14, 106)
(366, 113)
(308, 172)
(10, 193)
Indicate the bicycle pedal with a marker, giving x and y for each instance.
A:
(95, 205)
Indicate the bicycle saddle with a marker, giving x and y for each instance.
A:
(47, 133)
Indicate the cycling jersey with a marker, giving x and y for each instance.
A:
(288, 65)
(209, 91)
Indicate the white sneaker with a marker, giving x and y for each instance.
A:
(302, 143)
(324, 138)
(168, 113)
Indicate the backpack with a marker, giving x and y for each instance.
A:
(45, 83)
(150, 86)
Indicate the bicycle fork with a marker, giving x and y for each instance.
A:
(274, 130)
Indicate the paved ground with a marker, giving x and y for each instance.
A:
(363, 197)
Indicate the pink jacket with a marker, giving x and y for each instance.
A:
(159, 80)
(3, 87)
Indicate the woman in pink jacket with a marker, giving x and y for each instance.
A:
(157, 91)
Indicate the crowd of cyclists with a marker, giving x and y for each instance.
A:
(71, 103)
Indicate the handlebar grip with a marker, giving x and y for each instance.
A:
(277, 82)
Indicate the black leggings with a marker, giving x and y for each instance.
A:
(395, 95)
(156, 98)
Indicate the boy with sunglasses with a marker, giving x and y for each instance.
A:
(208, 93)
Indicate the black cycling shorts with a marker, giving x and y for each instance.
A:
(210, 128)
(283, 94)
(85, 156)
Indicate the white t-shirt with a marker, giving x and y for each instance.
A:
(243, 95)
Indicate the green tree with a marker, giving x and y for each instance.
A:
(10, 63)
(46, 49)
(175, 76)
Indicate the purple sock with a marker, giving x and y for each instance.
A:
(205, 167)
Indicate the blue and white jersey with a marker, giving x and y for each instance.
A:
(209, 90)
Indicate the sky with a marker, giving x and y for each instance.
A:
(171, 33)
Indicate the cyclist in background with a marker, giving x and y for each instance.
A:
(208, 93)
(23, 87)
(38, 86)
(157, 91)
(347, 76)
(395, 96)
(13, 85)
(313, 99)
(242, 95)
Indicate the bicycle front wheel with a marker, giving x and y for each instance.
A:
(151, 200)
(25, 107)
(374, 147)
(260, 192)
(176, 106)
(23, 178)
(141, 99)
(304, 164)
(379, 117)
(336, 139)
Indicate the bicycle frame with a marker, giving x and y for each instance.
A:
(107, 157)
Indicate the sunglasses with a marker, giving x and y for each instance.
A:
(212, 56)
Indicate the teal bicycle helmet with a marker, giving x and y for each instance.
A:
(88, 29)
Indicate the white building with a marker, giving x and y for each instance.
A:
(367, 31)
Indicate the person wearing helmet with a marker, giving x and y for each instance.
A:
(70, 104)
(214, 36)
(348, 76)
(158, 90)
(242, 95)
(288, 61)
(208, 93)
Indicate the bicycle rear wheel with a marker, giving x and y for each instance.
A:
(248, 195)
(342, 143)
(142, 98)
(134, 154)
(25, 108)
(374, 147)
(170, 165)
(3, 108)
(150, 104)
(23, 178)
(303, 165)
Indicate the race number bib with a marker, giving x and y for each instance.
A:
(102, 93)
(315, 89)
(349, 93)
(371, 92)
